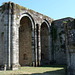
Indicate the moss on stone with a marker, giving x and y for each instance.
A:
(10, 6)
(3, 8)
(31, 11)
(20, 7)
(52, 20)
(64, 21)
(72, 47)
(16, 18)
(3, 3)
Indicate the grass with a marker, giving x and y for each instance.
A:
(36, 71)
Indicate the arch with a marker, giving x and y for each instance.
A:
(45, 42)
(26, 41)
(47, 23)
(29, 16)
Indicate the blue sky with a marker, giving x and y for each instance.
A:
(55, 9)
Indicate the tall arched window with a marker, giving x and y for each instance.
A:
(25, 41)
(44, 43)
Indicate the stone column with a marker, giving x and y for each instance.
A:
(33, 47)
(15, 38)
(17, 45)
(39, 44)
(50, 44)
(9, 36)
(36, 45)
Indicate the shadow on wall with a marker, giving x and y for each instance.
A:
(57, 72)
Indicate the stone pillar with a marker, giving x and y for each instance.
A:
(33, 47)
(36, 46)
(9, 36)
(39, 44)
(50, 44)
(15, 38)
(17, 45)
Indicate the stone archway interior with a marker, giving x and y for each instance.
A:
(44, 43)
(25, 42)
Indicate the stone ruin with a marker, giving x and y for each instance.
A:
(28, 38)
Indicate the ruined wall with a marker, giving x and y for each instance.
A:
(70, 45)
(2, 34)
(1, 38)
(59, 45)
(59, 39)
(37, 19)
(21, 39)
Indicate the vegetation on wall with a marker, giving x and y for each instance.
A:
(64, 21)
(3, 8)
(10, 6)
(52, 20)
(20, 7)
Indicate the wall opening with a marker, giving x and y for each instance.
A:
(25, 42)
(44, 43)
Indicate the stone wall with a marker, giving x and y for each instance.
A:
(59, 40)
(70, 45)
(1, 38)
(36, 19)
(28, 38)
(10, 23)
(3, 20)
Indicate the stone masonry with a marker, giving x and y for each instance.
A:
(28, 38)
(64, 45)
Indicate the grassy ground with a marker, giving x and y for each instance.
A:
(36, 71)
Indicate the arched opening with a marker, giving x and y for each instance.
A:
(44, 44)
(25, 42)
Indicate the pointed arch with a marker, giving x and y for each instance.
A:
(45, 42)
(26, 40)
